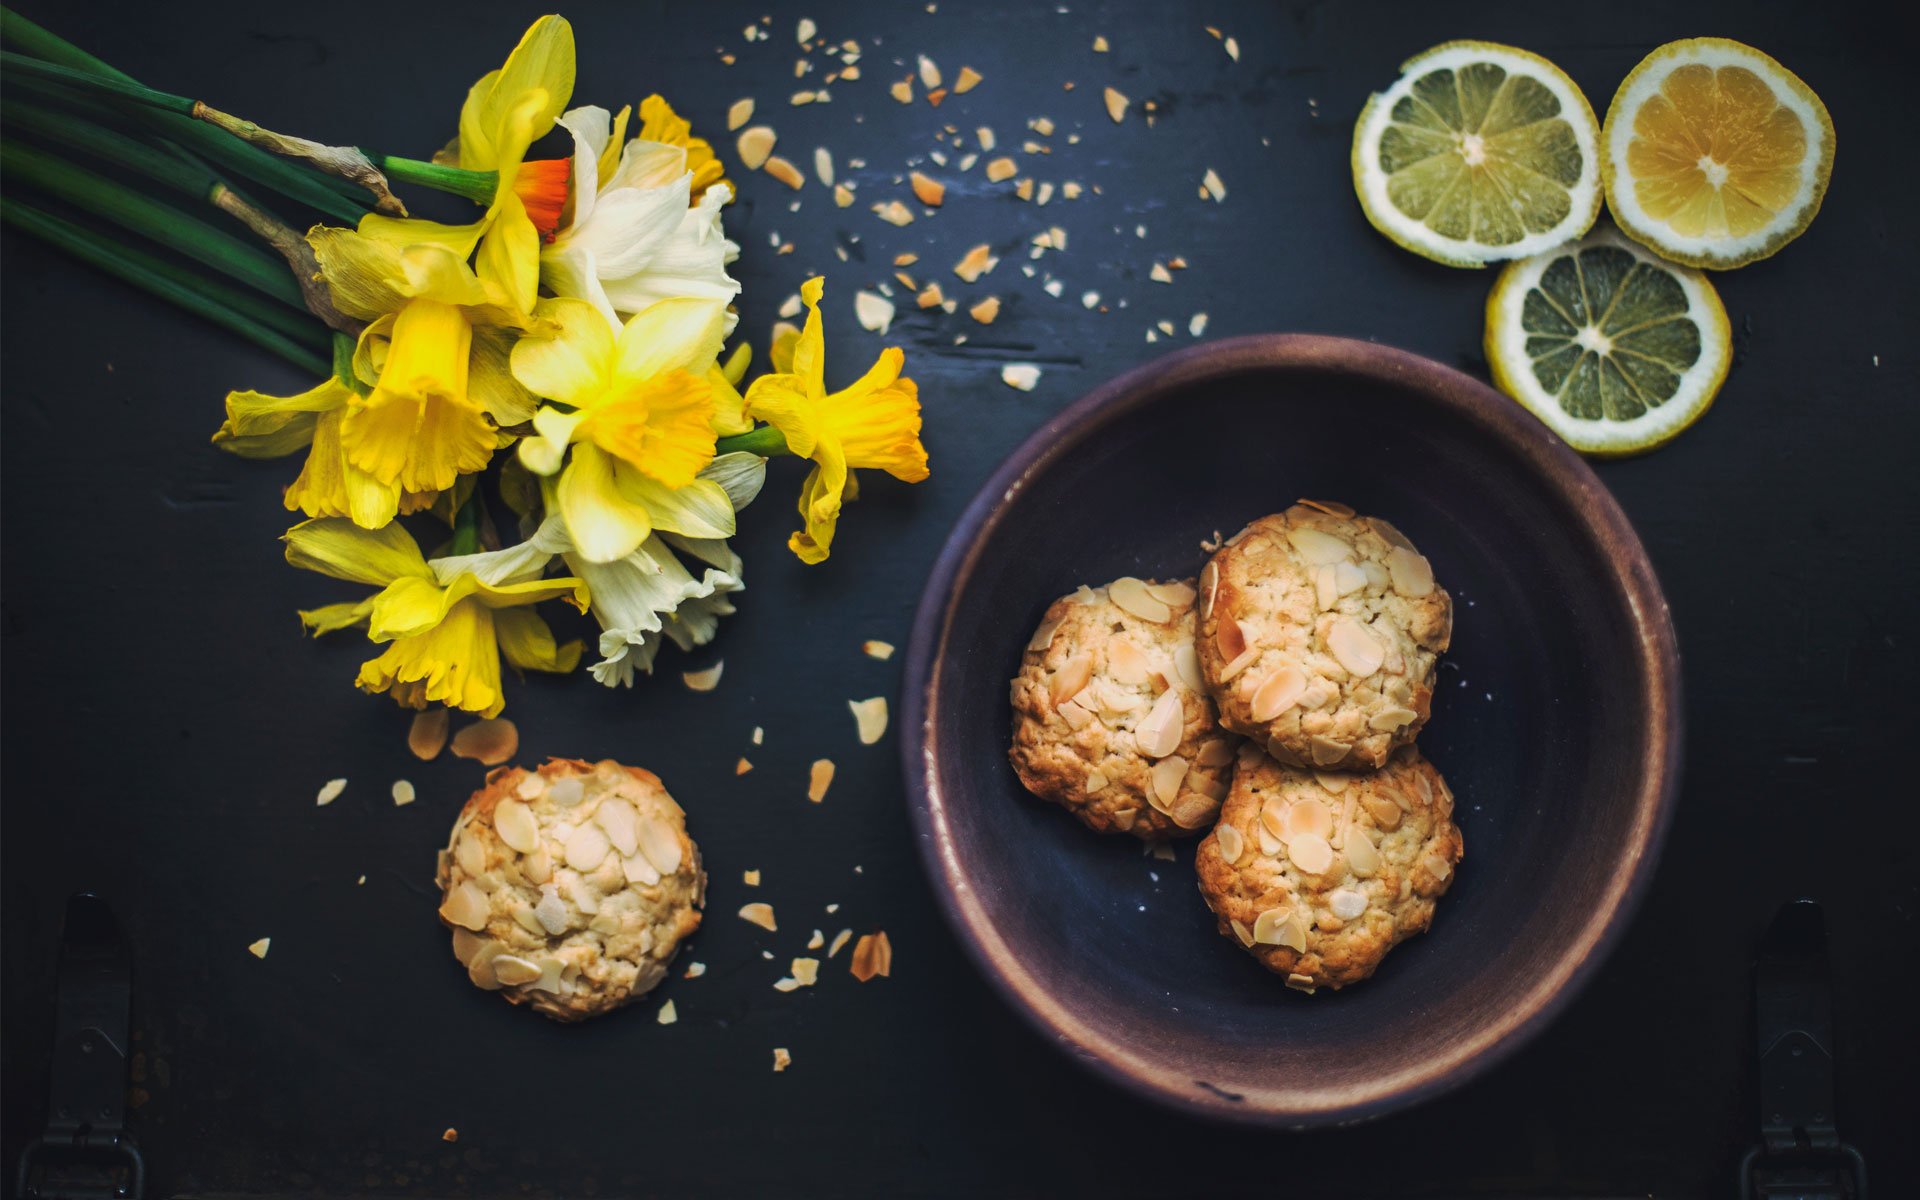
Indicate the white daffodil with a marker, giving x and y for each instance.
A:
(630, 236)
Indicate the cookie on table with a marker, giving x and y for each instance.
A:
(1319, 635)
(1110, 718)
(1319, 874)
(571, 887)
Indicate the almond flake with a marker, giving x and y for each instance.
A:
(806, 971)
(870, 716)
(929, 73)
(790, 307)
(1198, 325)
(781, 1059)
(1116, 104)
(985, 311)
(847, 72)
(428, 734)
(259, 949)
(875, 649)
(894, 213)
(739, 113)
(1070, 190)
(978, 262)
(1041, 126)
(785, 172)
(819, 779)
(1020, 375)
(785, 985)
(936, 96)
(330, 791)
(754, 145)
(966, 81)
(1001, 169)
(750, 878)
(402, 792)
(839, 939)
(1099, 45)
(1024, 189)
(931, 298)
(1211, 181)
(823, 166)
(742, 767)
(1165, 327)
(930, 191)
(704, 681)
(760, 914)
(1089, 299)
(667, 1014)
(903, 91)
(872, 955)
(905, 260)
(1233, 49)
(842, 195)
(817, 940)
(695, 970)
(1046, 193)
(874, 312)
(985, 135)
(799, 98)
(805, 30)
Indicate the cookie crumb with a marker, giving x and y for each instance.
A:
(781, 1059)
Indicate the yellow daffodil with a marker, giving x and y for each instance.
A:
(505, 112)
(639, 420)
(446, 638)
(873, 423)
(434, 354)
(659, 123)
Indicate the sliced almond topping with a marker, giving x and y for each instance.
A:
(1389, 720)
(660, 844)
(704, 681)
(1158, 735)
(1229, 640)
(587, 847)
(785, 172)
(1000, 170)
(1096, 780)
(621, 823)
(1412, 573)
(1167, 774)
(1332, 508)
(1386, 814)
(1437, 867)
(514, 822)
(931, 192)
(1075, 715)
(1242, 662)
(977, 262)
(1132, 596)
(1268, 926)
(1241, 931)
(870, 717)
(1308, 816)
(551, 911)
(1209, 584)
(1174, 594)
(1269, 844)
(1386, 530)
(754, 145)
(1356, 649)
(1280, 692)
(480, 966)
(986, 311)
(1273, 816)
(1216, 753)
(428, 735)
(966, 81)
(537, 867)
(1116, 104)
(1325, 751)
(759, 913)
(819, 779)
(466, 906)
(1326, 587)
(470, 853)
(1127, 663)
(567, 792)
(1186, 662)
(638, 870)
(739, 113)
(1319, 549)
(1301, 983)
(330, 792)
(1230, 842)
(1334, 783)
(872, 955)
(511, 970)
(1310, 852)
(1362, 858)
(1376, 575)
(1346, 903)
(1293, 934)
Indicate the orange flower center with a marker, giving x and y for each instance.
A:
(542, 187)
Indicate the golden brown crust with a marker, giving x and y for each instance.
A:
(579, 903)
(1332, 925)
(1111, 720)
(1319, 634)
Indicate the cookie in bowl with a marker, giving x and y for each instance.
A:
(570, 888)
(1319, 634)
(1111, 720)
(1318, 874)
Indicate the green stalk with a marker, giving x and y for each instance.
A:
(21, 64)
(765, 441)
(181, 173)
(227, 307)
(466, 527)
(477, 186)
(337, 198)
(161, 222)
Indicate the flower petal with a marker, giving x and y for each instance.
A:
(490, 381)
(820, 502)
(337, 547)
(700, 509)
(729, 406)
(877, 421)
(328, 486)
(629, 226)
(589, 125)
(363, 274)
(543, 62)
(407, 606)
(510, 253)
(602, 522)
(739, 474)
(455, 663)
(263, 426)
(570, 269)
(420, 427)
(330, 617)
(651, 163)
(528, 644)
(573, 362)
(663, 427)
(782, 401)
(810, 351)
(674, 335)
(402, 232)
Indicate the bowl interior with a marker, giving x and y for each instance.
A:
(1549, 723)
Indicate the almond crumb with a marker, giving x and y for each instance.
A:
(781, 1059)
(403, 793)
(894, 213)
(978, 262)
(823, 166)
(929, 73)
(742, 767)
(259, 949)
(906, 281)
(1233, 49)
(1099, 45)
(986, 138)
(936, 96)
(870, 717)
(427, 737)
(931, 298)
(1178, 264)
(905, 260)
(1116, 104)
(903, 91)
(785, 172)
(806, 971)
(333, 787)
(750, 878)
(875, 649)
(703, 681)
(839, 939)
(1024, 189)
(819, 779)
(842, 195)
(872, 955)
(1215, 188)
(1022, 376)
(874, 312)
(668, 1014)
(966, 81)
(799, 98)
(739, 113)
(1159, 274)
(931, 192)
(1198, 325)
(985, 311)
(817, 940)
(759, 913)
(1001, 169)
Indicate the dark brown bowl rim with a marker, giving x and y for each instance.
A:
(1542, 451)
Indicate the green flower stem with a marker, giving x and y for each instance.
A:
(183, 174)
(466, 526)
(227, 307)
(477, 186)
(143, 215)
(766, 441)
(126, 89)
(335, 197)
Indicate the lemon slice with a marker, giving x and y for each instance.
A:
(1478, 153)
(1714, 154)
(1613, 347)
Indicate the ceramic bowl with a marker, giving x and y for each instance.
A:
(1556, 722)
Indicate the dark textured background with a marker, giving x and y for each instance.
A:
(166, 726)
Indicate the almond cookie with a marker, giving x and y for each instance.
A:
(1320, 874)
(1110, 719)
(1319, 634)
(571, 887)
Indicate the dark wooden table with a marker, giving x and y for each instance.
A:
(166, 725)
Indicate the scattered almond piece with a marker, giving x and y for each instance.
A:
(1042, 126)
(739, 113)
(823, 165)
(491, 741)
(1160, 274)
(742, 767)
(985, 135)
(1166, 327)
(1215, 188)
(759, 735)
(1116, 104)
(806, 971)
(1177, 263)
(931, 298)
(754, 145)
(978, 262)
(1070, 189)
(1059, 237)
(451, 1135)
(1233, 49)
(1024, 189)
(842, 195)
(874, 312)
(1089, 299)
(819, 779)
(799, 98)
(805, 30)
(880, 650)
(903, 91)
(871, 718)
(750, 878)
(787, 984)
(1001, 169)
(781, 1059)
(985, 311)
(905, 260)
(259, 949)
(848, 72)
(966, 81)
(785, 172)
(872, 955)
(668, 1014)
(936, 96)
(839, 939)
(931, 192)
(1163, 851)
(330, 791)
(402, 793)
(817, 940)
(1198, 325)
(704, 681)
(695, 970)
(759, 913)
(1020, 375)
(894, 213)
(428, 735)
(929, 73)
(1099, 45)
(790, 307)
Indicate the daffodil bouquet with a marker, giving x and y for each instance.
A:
(566, 351)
